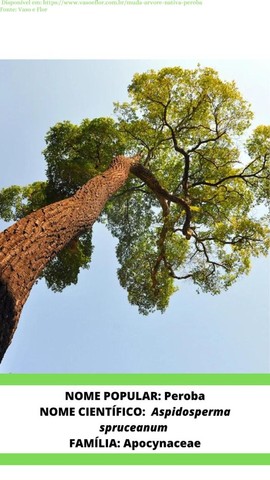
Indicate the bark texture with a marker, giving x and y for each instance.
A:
(27, 246)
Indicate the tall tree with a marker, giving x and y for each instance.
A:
(184, 195)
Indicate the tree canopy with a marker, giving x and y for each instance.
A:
(195, 208)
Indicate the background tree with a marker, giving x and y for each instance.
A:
(189, 209)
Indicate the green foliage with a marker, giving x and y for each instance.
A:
(189, 127)
(17, 202)
(174, 114)
(258, 147)
(64, 269)
(10, 202)
(76, 153)
(196, 103)
(136, 275)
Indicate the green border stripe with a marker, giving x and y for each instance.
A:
(136, 379)
(134, 459)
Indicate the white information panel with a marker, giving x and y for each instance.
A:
(135, 419)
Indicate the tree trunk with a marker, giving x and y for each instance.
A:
(27, 246)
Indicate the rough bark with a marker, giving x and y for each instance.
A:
(27, 246)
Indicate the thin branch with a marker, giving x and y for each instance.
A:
(240, 175)
(207, 140)
(204, 251)
(139, 188)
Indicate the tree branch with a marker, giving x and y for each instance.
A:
(240, 175)
(207, 140)
(147, 176)
(204, 251)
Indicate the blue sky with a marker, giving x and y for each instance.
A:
(91, 327)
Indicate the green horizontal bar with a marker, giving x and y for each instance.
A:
(136, 379)
(134, 459)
